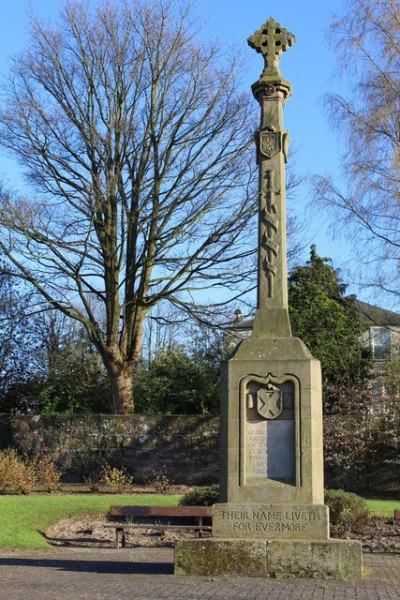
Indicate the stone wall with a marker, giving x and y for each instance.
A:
(183, 448)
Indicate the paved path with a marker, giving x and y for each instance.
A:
(146, 574)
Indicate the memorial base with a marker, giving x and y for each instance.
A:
(317, 559)
(271, 521)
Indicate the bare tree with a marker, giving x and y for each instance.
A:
(367, 39)
(137, 145)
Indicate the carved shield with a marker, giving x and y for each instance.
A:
(270, 143)
(269, 402)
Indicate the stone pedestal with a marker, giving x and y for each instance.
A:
(319, 559)
(272, 521)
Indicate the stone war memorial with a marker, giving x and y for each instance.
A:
(271, 519)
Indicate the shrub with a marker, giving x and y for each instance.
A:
(47, 473)
(206, 496)
(16, 475)
(159, 481)
(348, 512)
(161, 484)
(115, 479)
(93, 481)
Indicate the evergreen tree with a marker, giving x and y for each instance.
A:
(183, 381)
(329, 323)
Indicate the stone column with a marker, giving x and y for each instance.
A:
(271, 91)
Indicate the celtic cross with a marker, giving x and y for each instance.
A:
(270, 41)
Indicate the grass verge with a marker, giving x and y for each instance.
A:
(23, 519)
(382, 508)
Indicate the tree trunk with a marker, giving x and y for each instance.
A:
(121, 379)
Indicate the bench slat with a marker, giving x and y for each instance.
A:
(160, 511)
(157, 526)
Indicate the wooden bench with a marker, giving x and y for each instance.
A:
(196, 518)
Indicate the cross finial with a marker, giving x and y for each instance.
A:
(270, 41)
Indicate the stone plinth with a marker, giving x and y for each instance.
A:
(319, 559)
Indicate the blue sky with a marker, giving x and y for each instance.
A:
(309, 66)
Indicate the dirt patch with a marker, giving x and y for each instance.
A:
(90, 532)
(380, 536)
(84, 488)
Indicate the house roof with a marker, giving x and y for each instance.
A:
(374, 315)
(370, 315)
(241, 324)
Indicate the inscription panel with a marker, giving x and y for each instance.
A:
(270, 521)
(270, 446)
(257, 456)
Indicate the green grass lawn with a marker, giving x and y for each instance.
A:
(382, 508)
(23, 519)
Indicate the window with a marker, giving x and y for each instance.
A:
(380, 342)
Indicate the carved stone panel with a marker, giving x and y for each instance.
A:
(281, 450)
(269, 430)
(284, 521)
(270, 450)
(269, 143)
(256, 449)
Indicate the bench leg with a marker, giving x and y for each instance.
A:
(201, 525)
(120, 538)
